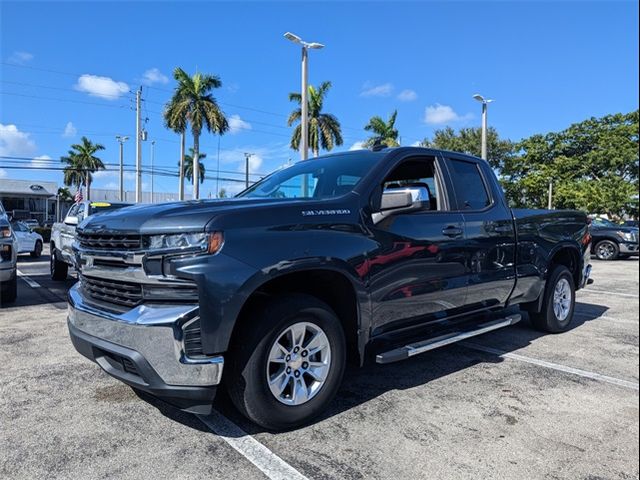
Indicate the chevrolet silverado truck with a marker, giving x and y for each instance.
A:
(363, 256)
(63, 235)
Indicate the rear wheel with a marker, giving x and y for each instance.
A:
(9, 290)
(558, 304)
(37, 249)
(58, 269)
(607, 250)
(287, 364)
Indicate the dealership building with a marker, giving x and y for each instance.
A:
(23, 199)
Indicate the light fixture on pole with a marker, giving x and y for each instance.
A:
(121, 139)
(304, 107)
(485, 102)
(247, 156)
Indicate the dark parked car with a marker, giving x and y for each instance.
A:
(630, 223)
(611, 241)
(379, 254)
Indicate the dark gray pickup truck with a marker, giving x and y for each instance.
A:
(377, 255)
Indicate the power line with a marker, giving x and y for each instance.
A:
(68, 100)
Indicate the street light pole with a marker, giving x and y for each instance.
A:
(247, 156)
(304, 89)
(121, 139)
(138, 146)
(485, 102)
(153, 145)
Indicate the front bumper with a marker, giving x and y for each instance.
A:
(628, 248)
(7, 273)
(143, 348)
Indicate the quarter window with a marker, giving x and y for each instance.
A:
(471, 192)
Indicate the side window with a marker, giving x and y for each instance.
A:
(73, 211)
(470, 189)
(417, 172)
(80, 212)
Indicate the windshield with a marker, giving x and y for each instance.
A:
(601, 222)
(101, 207)
(325, 177)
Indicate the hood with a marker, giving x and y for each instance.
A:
(175, 216)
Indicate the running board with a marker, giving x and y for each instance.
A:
(412, 349)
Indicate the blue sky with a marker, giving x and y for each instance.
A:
(546, 64)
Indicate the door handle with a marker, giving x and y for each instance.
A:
(452, 231)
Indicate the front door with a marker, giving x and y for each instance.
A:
(417, 273)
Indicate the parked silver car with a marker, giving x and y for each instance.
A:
(8, 259)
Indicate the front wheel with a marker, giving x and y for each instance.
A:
(37, 249)
(558, 303)
(288, 363)
(9, 289)
(58, 269)
(607, 250)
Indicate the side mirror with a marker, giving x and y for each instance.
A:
(73, 221)
(405, 199)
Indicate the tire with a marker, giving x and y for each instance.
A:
(548, 320)
(37, 249)
(9, 290)
(58, 269)
(607, 250)
(249, 366)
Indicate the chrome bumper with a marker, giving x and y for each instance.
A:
(154, 331)
(629, 248)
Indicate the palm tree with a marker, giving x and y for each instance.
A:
(188, 166)
(385, 132)
(192, 104)
(81, 163)
(324, 128)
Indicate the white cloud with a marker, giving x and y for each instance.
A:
(371, 90)
(407, 95)
(14, 142)
(69, 130)
(357, 146)
(103, 87)
(41, 161)
(416, 144)
(20, 58)
(153, 75)
(440, 114)
(105, 174)
(3, 173)
(236, 124)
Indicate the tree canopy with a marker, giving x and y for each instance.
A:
(385, 133)
(592, 165)
(81, 162)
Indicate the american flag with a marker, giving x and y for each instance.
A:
(78, 197)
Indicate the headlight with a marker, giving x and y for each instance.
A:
(204, 242)
(629, 237)
(5, 232)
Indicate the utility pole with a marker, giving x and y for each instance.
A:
(153, 145)
(121, 139)
(247, 156)
(138, 146)
(181, 186)
(304, 118)
(550, 202)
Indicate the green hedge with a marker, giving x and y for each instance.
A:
(45, 232)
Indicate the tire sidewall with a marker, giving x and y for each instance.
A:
(553, 324)
(259, 402)
(37, 249)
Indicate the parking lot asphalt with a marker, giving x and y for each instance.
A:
(511, 404)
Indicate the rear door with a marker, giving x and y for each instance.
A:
(489, 239)
(418, 272)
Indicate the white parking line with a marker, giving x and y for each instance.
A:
(268, 462)
(30, 282)
(606, 317)
(607, 292)
(554, 366)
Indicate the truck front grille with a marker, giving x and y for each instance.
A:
(113, 291)
(110, 241)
